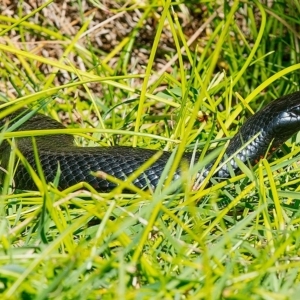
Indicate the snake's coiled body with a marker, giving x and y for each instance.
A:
(273, 125)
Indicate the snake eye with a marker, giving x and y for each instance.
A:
(295, 111)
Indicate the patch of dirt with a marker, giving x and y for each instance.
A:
(110, 24)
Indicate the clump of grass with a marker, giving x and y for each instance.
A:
(78, 243)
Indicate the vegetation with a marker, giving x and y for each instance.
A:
(161, 75)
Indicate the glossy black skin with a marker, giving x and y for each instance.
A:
(275, 123)
(77, 163)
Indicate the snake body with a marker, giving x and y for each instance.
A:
(266, 131)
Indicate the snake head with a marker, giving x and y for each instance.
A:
(285, 113)
(265, 131)
(276, 123)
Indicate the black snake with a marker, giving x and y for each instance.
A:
(272, 126)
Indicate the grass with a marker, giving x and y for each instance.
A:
(80, 244)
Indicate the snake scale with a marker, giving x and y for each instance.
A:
(267, 130)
